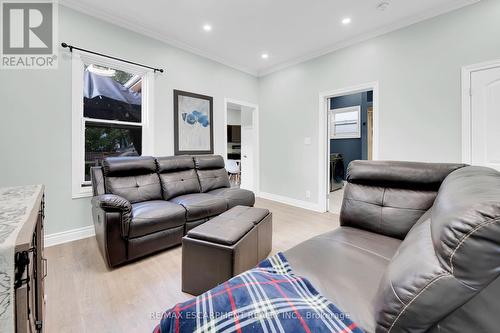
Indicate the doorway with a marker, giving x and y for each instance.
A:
(242, 144)
(348, 132)
(480, 119)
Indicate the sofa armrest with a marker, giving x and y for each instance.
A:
(114, 203)
(389, 197)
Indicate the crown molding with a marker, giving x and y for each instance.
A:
(408, 21)
(140, 29)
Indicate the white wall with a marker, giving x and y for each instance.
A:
(35, 114)
(418, 69)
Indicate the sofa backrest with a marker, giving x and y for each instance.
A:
(133, 178)
(211, 172)
(448, 258)
(388, 197)
(178, 176)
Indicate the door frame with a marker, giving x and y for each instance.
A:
(467, 105)
(256, 138)
(323, 134)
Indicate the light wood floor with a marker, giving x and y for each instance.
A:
(84, 296)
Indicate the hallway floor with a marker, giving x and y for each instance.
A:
(336, 198)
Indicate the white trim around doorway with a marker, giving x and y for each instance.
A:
(323, 135)
(256, 137)
(467, 106)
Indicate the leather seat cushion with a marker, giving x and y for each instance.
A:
(235, 196)
(346, 265)
(200, 205)
(153, 216)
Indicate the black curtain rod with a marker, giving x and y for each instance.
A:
(71, 47)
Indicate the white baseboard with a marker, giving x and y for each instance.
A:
(69, 236)
(292, 202)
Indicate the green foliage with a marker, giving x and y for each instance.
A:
(99, 139)
(122, 77)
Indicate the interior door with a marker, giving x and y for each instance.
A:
(370, 133)
(485, 118)
(247, 149)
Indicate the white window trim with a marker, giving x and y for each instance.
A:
(78, 121)
(333, 135)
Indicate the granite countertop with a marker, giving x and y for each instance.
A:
(15, 207)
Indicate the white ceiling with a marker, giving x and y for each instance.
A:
(290, 31)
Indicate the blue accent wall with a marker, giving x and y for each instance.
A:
(353, 149)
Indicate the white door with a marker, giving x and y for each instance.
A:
(247, 149)
(485, 118)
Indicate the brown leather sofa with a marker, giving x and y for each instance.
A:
(418, 249)
(143, 205)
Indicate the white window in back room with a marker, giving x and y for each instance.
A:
(110, 116)
(345, 123)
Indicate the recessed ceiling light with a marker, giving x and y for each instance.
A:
(346, 20)
(264, 56)
(207, 27)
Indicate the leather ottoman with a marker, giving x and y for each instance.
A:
(225, 246)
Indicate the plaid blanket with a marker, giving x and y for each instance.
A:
(268, 299)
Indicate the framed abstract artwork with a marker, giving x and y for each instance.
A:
(193, 124)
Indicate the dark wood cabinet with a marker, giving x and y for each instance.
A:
(30, 271)
(234, 133)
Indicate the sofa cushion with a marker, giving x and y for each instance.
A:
(388, 211)
(153, 216)
(450, 255)
(235, 196)
(346, 266)
(399, 174)
(133, 178)
(135, 188)
(388, 197)
(175, 163)
(211, 172)
(207, 162)
(466, 225)
(200, 205)
(128, 166)
(177, 176)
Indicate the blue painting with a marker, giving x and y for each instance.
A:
(196, 117)
(194, 125)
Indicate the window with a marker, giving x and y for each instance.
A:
(345, 123)
(111, 104)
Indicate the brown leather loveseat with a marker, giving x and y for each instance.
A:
(418, 249)
(143, 205)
